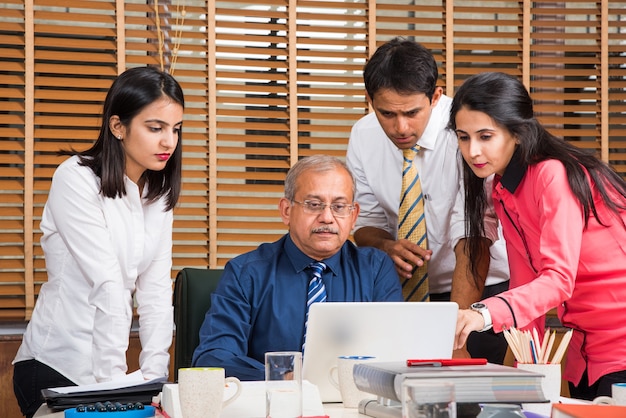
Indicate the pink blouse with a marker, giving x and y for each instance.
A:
(556, 261)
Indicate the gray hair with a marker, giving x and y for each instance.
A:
(318, 163)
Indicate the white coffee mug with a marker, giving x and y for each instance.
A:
(201, 391)
(618, 396)
(344, 381)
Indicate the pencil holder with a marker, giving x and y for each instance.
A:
(550, 384)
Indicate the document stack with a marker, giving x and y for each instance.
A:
(489, 383)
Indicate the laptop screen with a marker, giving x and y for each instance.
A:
(389, 331)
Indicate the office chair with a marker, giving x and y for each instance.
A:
(192, 300)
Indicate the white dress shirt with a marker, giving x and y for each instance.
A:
(376, 164)
(100, 252)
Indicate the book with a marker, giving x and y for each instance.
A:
(473, 383)
(587, 411)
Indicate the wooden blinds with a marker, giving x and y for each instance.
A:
(266, 83)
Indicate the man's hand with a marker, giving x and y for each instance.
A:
(406, 255)
(467, 321)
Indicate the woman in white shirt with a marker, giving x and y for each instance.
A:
(107, 237)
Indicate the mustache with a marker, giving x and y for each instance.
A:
(325, 229)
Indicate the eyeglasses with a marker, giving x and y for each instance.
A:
(315, 207)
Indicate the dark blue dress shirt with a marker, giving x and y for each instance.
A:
(260, 302)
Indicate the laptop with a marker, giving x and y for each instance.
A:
(390, 331)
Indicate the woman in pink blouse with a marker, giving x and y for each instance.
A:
(563, 214)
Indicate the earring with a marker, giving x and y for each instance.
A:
(119, 137)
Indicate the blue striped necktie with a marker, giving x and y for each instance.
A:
(412, 225)
(317, 290)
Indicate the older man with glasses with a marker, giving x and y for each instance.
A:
(262, 300)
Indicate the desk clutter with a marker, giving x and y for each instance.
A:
(251, 405)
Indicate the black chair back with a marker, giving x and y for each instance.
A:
(192, 300)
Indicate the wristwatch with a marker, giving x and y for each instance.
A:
(482, 309)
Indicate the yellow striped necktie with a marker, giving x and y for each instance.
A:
(412, 225)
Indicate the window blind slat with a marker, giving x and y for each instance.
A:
(259, 96)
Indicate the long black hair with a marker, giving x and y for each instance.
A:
(505, 100)
(129, 94)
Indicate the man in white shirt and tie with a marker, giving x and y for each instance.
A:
(411, 110)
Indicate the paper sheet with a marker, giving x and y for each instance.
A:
(131, 379)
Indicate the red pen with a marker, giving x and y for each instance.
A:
(447, 362)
